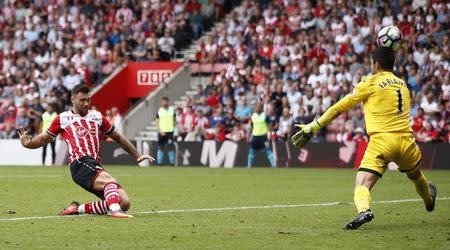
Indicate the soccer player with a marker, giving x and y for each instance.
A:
(259, 136)
(166, 126)
(80, 129)
(47, 118)
(386, 101)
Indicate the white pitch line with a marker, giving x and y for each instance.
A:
(238, 208)
(29, 176)
(327, 204)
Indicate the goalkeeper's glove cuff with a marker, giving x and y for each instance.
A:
(310, 127)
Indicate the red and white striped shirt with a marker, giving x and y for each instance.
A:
(81, 133)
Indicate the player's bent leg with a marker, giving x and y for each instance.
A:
(111, 194)
(424, 188)
(363, 184)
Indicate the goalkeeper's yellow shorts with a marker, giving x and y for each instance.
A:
(383, 148)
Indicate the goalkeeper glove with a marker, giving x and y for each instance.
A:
(302, 137)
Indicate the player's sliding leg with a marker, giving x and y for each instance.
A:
(98, 207)
(363, 184)
(424, 188)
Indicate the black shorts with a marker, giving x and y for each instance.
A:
(84, 172)
(259, 142)
(164, 140)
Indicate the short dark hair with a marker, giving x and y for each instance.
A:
(165, 98)
(385, 57)
(80, 88)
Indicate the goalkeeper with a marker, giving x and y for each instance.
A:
(385, 100)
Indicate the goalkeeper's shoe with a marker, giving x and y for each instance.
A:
(71, 210)
(359, 220)
(120, 215)
(433, 191)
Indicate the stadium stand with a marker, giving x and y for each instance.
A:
(297, 57)
(49, 46)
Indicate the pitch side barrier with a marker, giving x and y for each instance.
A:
(229, 154)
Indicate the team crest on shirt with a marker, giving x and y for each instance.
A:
(82, 131)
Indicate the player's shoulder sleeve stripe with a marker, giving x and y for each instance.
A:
(51, 134)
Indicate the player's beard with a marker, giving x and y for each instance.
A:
(83, 110)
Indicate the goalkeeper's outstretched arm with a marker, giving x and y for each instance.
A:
(334, 111)
(361, 92)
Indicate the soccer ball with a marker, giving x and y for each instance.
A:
(390, 36)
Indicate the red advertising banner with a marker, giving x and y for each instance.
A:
(136, 80)
(145, 77)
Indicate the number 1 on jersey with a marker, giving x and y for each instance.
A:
(400, 102)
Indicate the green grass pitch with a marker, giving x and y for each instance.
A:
(40, 192)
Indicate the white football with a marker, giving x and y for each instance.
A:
(390, 36)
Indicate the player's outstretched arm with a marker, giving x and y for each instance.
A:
(361, 92)
(32, 143)
(127, 146)
(301, 138)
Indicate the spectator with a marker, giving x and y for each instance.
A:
(230, 121)
(116, 117)
(166, 43)
(201, 123)
(428, 133)
(217, 117)
(124, 15)
(196, 21)
(243, 110)
(236, 134)
(429, 105)
(187, 122)
(35, 112)
(213, 98)
(72, 79)
(22, 120)
(199, 94)
(217, 134)
(418, 120)
(358, 119)
(10, 117)
(285, 125)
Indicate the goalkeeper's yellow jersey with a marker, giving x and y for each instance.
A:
(385, 100)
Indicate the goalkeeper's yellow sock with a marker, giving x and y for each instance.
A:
(362, 198)
(423, 189)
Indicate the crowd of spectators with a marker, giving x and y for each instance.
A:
(48, 46)
(298, 57)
